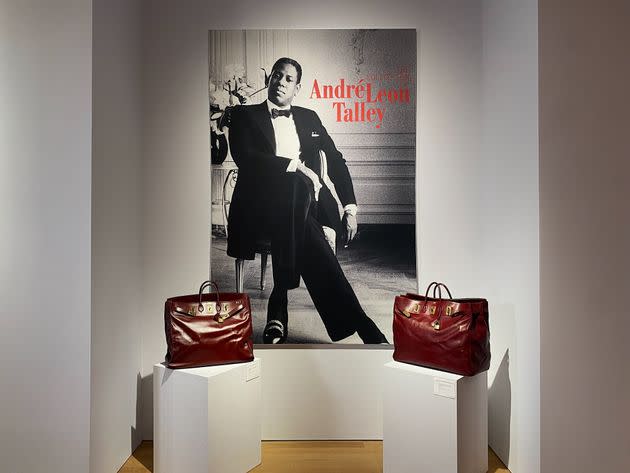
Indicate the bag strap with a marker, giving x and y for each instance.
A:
(439, 287)
(216, 288)
(426, 293)
(437, 291)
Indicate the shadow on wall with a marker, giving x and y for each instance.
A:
(144, 409)
(136, 429)
(500, 409)
(147, 408)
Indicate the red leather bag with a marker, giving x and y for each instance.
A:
(208, 329)
(445, 334)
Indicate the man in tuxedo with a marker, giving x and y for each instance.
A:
(279, 196)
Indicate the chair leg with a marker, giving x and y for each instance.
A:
(240, 263)
(263, 270)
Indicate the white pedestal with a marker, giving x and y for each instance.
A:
(434, 422)
(207, 420)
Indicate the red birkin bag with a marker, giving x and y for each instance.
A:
(445, 334)
(208, 329)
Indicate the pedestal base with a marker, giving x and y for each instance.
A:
(434, 422)
(207, 420)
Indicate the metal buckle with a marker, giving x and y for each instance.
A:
(207, 309)
(414, 310)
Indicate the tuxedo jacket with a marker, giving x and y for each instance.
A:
(261, 205)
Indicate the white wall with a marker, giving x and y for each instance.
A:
(45, 159)
(584, 235)
(45, 169)
(116, 233)
(322, 393)
(509, 266)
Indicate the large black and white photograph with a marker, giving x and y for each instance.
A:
(313, 165)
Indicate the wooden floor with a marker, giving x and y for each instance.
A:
(306, 457)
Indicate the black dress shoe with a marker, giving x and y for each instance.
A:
(276, 330)
(370, 333)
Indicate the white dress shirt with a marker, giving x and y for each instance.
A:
(287, 140)
(288, 143)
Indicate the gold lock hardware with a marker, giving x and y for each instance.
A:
(414, 310)
(208, 309)
(224, 313)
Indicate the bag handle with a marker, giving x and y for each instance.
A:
(439, 287)
(205, 285)
(426, 293)
(436, 323)
(437, 291)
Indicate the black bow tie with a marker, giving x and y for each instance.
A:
(275, 113)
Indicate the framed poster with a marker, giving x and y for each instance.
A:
(313, 150)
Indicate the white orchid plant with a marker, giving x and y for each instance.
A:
(228, 93)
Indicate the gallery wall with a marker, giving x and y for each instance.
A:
(456, 154)
(509, 265)
(585, 231)
(116, 233)
(45, 201)
(45, 194)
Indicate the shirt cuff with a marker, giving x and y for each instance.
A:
(351, 209)
(293, 164)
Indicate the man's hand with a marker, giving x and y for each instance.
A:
(349, 226)
(308, 172)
